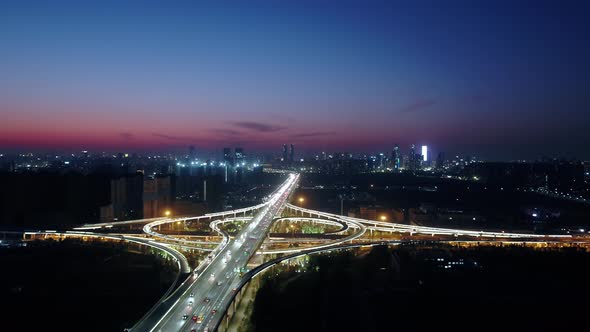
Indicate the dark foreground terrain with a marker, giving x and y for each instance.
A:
(430, 289)
(68, 286)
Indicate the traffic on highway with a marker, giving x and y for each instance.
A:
(197, 309)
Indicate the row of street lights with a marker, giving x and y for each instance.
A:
(301, 200)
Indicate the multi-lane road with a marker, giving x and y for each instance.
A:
(199, 306)
(200, 302)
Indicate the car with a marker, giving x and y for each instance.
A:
(219, 283)
(193, 330)
(195, 317)
(206, 300)
(192, 295)
(212, 275)
(206, 329)
(214, 311)
(190, 302)
(199, 319)
(184, 317)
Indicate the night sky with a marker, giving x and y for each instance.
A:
(500, 79)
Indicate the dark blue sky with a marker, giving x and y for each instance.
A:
(502, 79)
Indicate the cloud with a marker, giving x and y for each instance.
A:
(226, 132)
(314, 134)
(170, 137)
(417, 106)
(127, 135)
(257, 126)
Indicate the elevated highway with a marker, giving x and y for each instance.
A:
(200, 301)
(196, 307)
(411, 229)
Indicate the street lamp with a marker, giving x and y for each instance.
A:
(167, 213)
(301, 199)
(383, 217)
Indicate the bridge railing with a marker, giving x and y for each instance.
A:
(223, 324)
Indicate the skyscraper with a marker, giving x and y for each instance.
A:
(412, 157)
(424, 153)
(285, 153)
(292, 153)
(381, 160)
(240, 156)
(396, 157)
(227, 156)
(440, 160)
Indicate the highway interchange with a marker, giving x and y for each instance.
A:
(200, 302)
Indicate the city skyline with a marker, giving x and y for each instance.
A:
(216, 166)
(503, 82)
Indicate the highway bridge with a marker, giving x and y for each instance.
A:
(197, 307)
(201, 300)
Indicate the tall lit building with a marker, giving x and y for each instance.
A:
(396, 157)
(239, 156)
(424, 153)
(381, 160)
(227, 157)
(292, 153)
(412, 157)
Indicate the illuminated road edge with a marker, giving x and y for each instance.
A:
(175, 317)
(265, 266)
(183, 265)
(168, 306)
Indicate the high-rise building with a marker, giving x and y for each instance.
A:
(227, 156)
(396, 157)
(126, 198)
(412, 157)
(440, 160)
(239, 157)
(381, 160)
(157, 195)
(292, 153)
(424, 153)
(285, 152)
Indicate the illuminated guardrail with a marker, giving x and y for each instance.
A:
(350, 225)
(401, 228)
